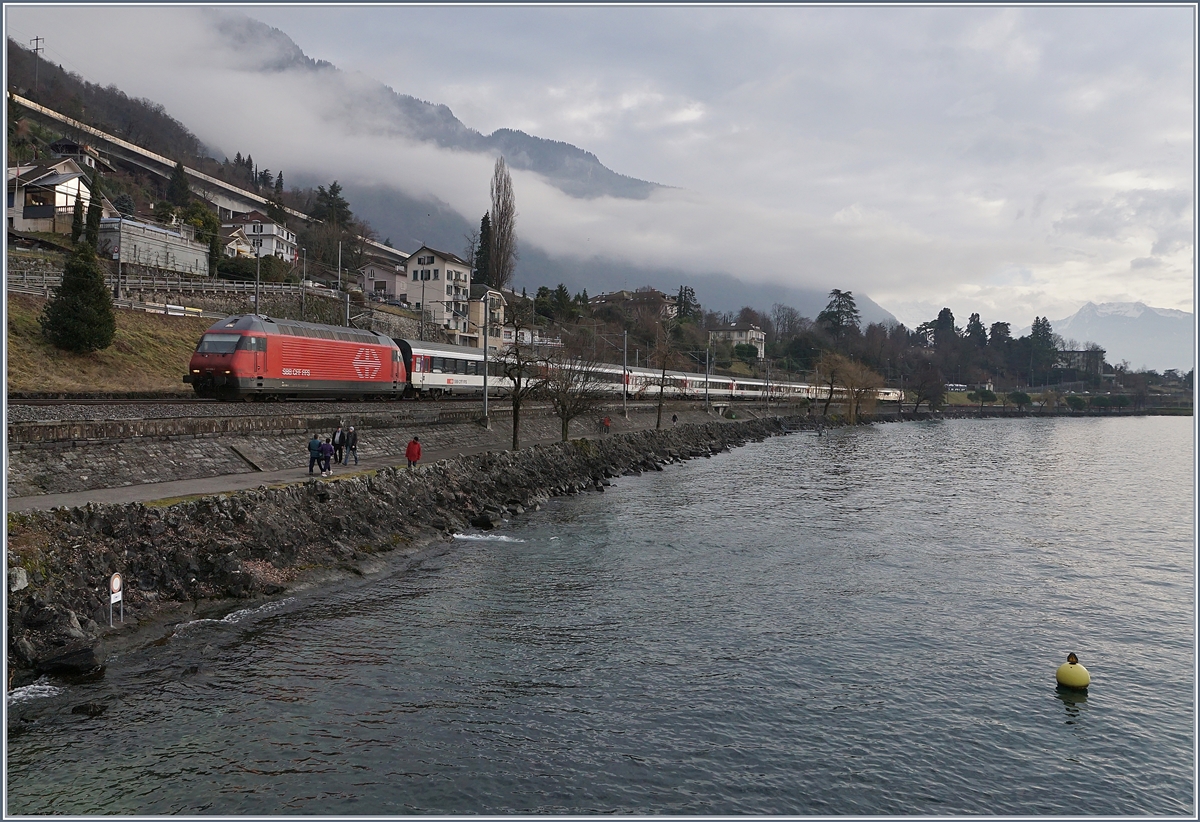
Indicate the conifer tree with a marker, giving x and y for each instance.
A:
(79, 317)
(77, 219)
(179, 192)
(91, 232)
(279, 185)
(482, 252)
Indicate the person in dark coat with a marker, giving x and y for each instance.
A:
(413, 452)
(314, 452)
(351, 446)
(339, 443)
(326, 453)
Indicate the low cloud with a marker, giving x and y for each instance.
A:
(917, 156)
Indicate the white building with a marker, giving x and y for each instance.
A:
(741, 334)
(41, 197)
(268, 237)
(439, 285)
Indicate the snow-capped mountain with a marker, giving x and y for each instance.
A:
(1143, 336)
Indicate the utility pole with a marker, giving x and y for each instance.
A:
(768, 383)
(38, 48)
(347, 296)
(257, 267)
(625, 372)
(707, 377)
(303, 279)
(339, 265)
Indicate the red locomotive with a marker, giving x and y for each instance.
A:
(254, 357)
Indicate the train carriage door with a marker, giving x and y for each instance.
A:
(260, 355)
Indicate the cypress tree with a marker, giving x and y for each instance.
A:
(91, 234)
(482, 253)
(79, 317)
(77, 219)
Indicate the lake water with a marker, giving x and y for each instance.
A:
(865, 622)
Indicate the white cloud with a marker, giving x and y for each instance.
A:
(920, 156)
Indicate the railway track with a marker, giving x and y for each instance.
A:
(185, 400)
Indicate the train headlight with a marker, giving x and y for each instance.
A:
(227, 371)
(195, 370)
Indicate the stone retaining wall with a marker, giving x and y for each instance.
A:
(257, 543)
(55, 458)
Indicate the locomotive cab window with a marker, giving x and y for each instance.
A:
(218, 343)
(248, 343)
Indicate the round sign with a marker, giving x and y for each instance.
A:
(114, 584)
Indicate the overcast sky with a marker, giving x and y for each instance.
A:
(1010, 161)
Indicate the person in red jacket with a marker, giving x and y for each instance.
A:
(413, 452)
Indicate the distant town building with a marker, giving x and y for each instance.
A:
(741, 334)
(495, 320)
(1089, 361)
(439, 285)
(234, 243)
(268, 238)
(84, 155)
(643, 300)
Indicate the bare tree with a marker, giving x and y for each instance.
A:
(522, 365)
(786, 320)
(471, 247)
(664, 353)
(573, 383)
(829, 370)
(862, 388)
(502, 254)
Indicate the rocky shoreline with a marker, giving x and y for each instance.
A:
(202, 556)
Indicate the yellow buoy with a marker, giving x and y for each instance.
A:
(1073, 675)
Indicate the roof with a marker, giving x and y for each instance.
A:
(479, 289)
(252, 217)
(445, 255)
(739, 327)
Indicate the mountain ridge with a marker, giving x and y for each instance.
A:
(1133, 332)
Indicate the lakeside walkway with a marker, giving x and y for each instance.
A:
(228, 483)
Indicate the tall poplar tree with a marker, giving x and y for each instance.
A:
(502, 247)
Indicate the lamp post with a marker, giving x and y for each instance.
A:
(257, 268)
(487, 313)
(303, 279)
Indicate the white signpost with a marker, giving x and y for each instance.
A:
(114, 595)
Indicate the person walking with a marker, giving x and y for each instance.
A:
(606, 423)
(339, 444)
(674, 420)
(351, 446)
(326, 453)
(413, 452)
(314, 452)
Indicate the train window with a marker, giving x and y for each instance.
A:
(473, 368)
(439, 364)
(248, 343)
(218, 343)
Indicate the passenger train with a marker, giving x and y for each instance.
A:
(249, 357)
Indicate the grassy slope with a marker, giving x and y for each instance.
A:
(150, 353)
